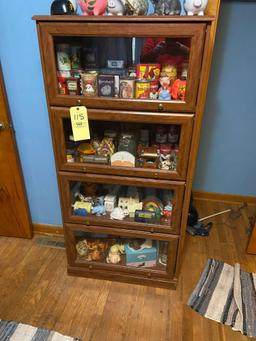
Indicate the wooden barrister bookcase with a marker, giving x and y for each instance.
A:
(144, 247)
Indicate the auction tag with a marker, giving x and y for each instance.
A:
(80, 124)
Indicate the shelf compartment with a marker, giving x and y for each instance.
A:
(122, 251)
(177, 45)
(173, 131)
(145, 204)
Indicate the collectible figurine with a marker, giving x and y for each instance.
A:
(140, 244)
(117, 214)
(94, 7)
(107, 147)
(114, 254)
(167, 212)
(179, 89)
(82, 208)
(62, 7)
(115, 7)
(173, 133)
(167, 7)
(74, 4)
(193, 7)
(82, 247)
(165, 157)
(164, 91)
(99, 208)
(137, 7)
(96, 249)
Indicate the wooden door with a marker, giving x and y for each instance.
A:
(14, 213)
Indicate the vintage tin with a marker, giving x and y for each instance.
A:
(89, 83)
(106, 86)
(70, 155)
(76, 73)
(73, 86)
(62, 85)
(75, 57)
(63, 57)
(126, 88)
(142, 89)
(148, 71)
(144, 216)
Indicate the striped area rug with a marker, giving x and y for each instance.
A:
(14, 331)
(227, 295)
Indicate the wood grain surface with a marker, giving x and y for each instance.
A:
(15, 220)
(36, 290)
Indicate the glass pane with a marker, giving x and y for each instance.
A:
(145, 205)
(118, 144)
(134, 68)
(125, 251)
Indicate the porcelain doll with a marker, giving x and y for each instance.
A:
(164, 90)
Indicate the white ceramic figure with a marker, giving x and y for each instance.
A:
(195, 7)
(117, 214)
(115, 7)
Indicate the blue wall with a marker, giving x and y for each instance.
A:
(227, 157)
(226, 160)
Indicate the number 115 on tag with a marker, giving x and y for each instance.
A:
(80, 124)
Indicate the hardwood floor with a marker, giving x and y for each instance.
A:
(35, 289)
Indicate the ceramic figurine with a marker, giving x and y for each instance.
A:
(114, 254)
(99, 208)
(164, 91)
(82, 208)
(82, 247)
(74, 3)
(93, 7)
(167, 7)
(62, 7)
(115, 7)
(179, 89)
(195, 7)
(117, 214)
(167, 212)
(113, 257)
(137, 7)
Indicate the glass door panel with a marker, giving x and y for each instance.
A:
(94, 65)
(126, 203)
(152, 68)
(120, 250)
(147, 148)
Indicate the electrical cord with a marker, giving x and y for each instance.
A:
(234, 214)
